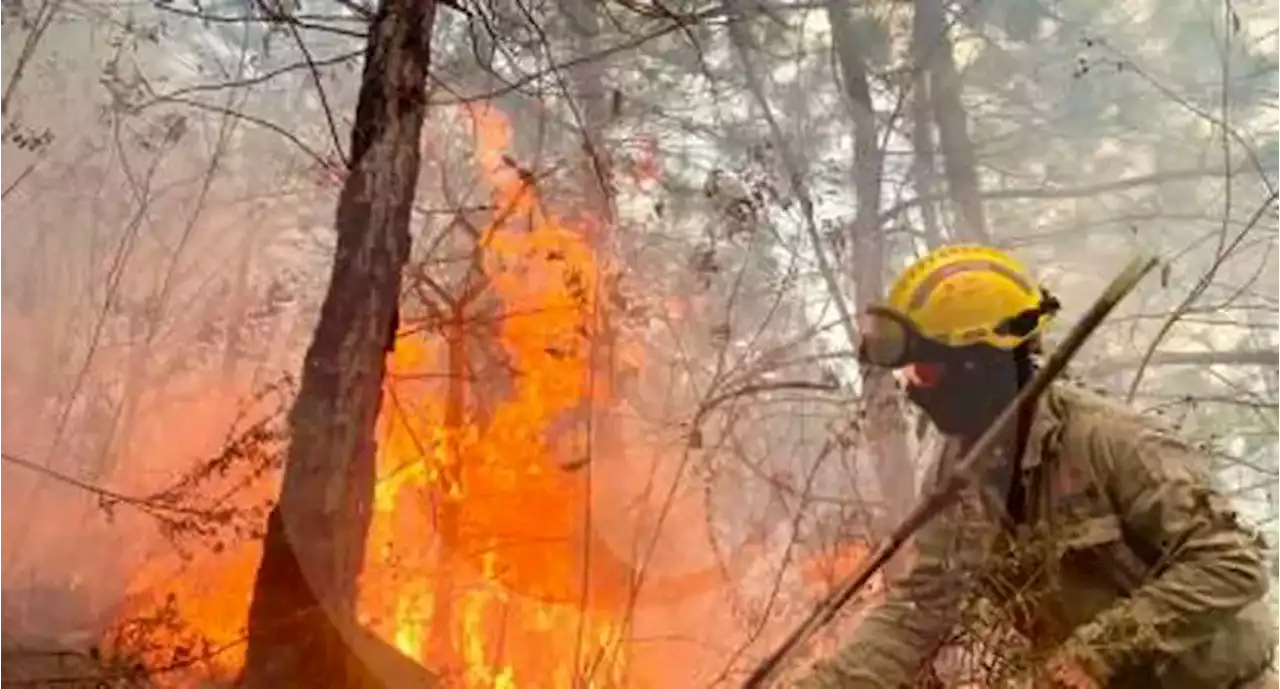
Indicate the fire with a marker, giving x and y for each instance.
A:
(185, 621)
(478, 558)
(483, 560)
(183, 614)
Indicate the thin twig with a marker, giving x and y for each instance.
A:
(105, 496)
(261, 78)
(298, 21)
(795, 175)
(1196, 291)
(44, 18)
(320, 92)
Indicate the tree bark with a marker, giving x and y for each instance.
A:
(924, 167)
(301, 621)
(884, 428)
(958, 158)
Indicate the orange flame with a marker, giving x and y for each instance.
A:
(500, 596)
(482, 562)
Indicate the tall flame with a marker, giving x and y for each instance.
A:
(488, 513)
(483, 560)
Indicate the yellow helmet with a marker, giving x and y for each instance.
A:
(956, 296)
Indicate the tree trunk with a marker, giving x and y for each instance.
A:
(593, 110)
(883, 429)
(450, 510)
(958, 157)
(594, 113)
(924, 167)
(301, 620)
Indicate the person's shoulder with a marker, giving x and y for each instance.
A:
(1096, 422)
(1090, 408)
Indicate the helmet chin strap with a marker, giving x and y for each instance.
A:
(1026, 370)
(1022, 360)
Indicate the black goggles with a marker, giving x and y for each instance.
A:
(888, 339)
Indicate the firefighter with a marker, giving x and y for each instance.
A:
(1128, 569)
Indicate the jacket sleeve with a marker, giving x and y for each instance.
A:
(1209, 569)
(897, 635)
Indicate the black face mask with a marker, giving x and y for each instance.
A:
(972, 390)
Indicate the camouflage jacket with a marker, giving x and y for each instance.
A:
(1143, 575)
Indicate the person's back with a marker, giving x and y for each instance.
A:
(1180, 583)
(1114, 501)
(1097, 531)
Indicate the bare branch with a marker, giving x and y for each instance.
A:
(1242, 357)
(1047, 192)
(261, 78)
(1196, 291)
(297, 21)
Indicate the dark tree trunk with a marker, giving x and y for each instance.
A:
(449, 513)
(959, 161)
(883, 427)
(924, 167)
(301, 620)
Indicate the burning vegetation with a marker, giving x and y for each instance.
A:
(483, 563)
(476, 557)
(595, 423)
